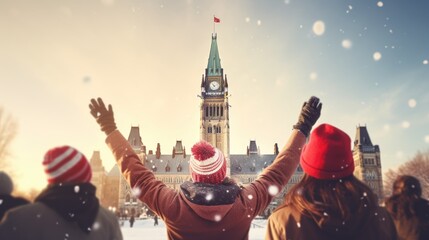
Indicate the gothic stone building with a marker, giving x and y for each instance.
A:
(173, 169)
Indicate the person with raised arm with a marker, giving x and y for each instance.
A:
(211, 206)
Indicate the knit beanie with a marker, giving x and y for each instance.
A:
(6, 185)
(327, 155)
(66, 164)
(207, 164)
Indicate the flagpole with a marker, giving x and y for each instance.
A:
(214, 24)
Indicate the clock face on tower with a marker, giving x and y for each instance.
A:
(214, 85)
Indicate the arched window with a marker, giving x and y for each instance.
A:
(127, 198)
(217, 111)
(209, 129)
(221, 111)
(218, 129)
(211, 111)
(207, 111)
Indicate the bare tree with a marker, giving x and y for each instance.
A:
(8, 130)
(418, 166)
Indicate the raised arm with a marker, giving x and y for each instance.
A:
(153, 192)
(276, 176)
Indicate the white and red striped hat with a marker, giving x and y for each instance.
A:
(66, 164)
(207, 164)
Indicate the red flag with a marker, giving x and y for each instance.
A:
(216, 20)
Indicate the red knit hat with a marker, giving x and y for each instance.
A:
(328, 154)
(207, 164)
(66, 164)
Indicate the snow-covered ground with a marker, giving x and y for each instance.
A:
(144, 229)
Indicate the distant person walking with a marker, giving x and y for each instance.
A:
(329, 202)
(155, 220)
(409, 210)
(132, 220)
(67, 208)
(211, 206)
(7, 201)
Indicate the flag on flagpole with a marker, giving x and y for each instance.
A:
(216, 20)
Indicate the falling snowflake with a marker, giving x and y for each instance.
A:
(136, 192)
(380, 4)
(258, 22)
(76, 189)
(365, 194)
(313, 76)
(412, 103)
(96, 226)
(350, 7)
(217, 218)
(377, 56)
(413, 186)
(346, 43)
(425, 62)
(376, 213)
(405, 124)
(386, 127)
(250, 196)
(209, 196)
(248, 216)
(325, 214)
(390, 30)
(287, 1)
(273, 190)
(1, 201)
(427, 138)
(247, 19)
(298, 224)
(38, 215)
(223, 230)
(319, 28)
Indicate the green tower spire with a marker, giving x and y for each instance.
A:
(213, 65)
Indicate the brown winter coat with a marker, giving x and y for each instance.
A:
(38, 221)
(287, 223)
(188, 220)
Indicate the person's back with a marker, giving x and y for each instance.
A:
(329, 202)
(410, 212)
(210, 206)
(38, 221)
(67, 208)
(7, 201)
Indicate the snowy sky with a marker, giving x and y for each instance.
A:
(366, 60)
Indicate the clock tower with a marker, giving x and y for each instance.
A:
(214, 107)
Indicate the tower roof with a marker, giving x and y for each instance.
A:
(213, 66)
(362, 136)
(134, 138)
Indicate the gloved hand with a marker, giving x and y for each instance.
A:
(103, 116)
(310, 112)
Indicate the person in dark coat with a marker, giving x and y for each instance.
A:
(211, 206)
(409, 210)
(155, 220)
(132, 220)
(67, 208)
(7, 201)
(329, 202)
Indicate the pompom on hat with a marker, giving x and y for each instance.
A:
(66, 165)
(327, 155)
(207, 163)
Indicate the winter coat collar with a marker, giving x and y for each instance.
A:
(210, 194)
(210, 201)
(74, 202)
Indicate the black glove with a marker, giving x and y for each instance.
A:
(103, 116)
(310, 112)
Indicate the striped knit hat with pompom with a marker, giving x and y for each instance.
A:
(207, 164)
(66, 165)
